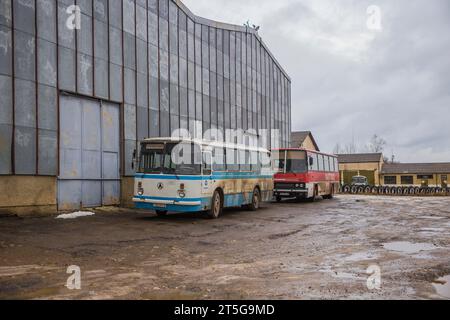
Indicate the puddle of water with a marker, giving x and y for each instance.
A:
(408, 247)
(442, 286)
(360, 256)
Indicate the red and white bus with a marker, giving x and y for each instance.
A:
(304, 174)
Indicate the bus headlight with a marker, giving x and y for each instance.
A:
(181, 194)
(297, 185)
(140, 189)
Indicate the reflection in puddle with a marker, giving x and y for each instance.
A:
(408, 247)
(442, 286)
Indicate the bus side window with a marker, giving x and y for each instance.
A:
(244, 160)
(336, 165)
(254, 161)
(315, 162)
(265, 161)
(320, 163)
(232, 162)
(327, 163)
(219, 159)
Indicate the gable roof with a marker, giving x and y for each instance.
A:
(299, 137)
(416, 168)
(360, 157)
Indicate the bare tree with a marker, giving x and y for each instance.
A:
(337, 149)
(376, 144)
(350, 148)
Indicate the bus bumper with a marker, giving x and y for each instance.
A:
(290, 193)
(168, 205)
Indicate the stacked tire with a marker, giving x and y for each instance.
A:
(396, 190)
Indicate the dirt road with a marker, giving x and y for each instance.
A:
(290, 250)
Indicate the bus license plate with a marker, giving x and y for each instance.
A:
(158, 205)
(284, 194)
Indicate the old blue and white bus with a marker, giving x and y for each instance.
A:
(188, 175)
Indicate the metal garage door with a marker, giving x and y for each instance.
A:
(89, 154)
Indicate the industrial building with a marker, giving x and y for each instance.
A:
(368, 165)
(79, 89)
(416, 174)
(378, 172)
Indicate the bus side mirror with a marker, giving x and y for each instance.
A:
(311, 161)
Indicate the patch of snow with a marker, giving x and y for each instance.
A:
(75, 215)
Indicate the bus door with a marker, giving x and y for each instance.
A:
(207, 182)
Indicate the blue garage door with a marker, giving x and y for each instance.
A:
(89, 154)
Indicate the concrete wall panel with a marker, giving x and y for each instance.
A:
(24, 15)
(5, 148)
(101, 78)
(48, 152)
(25, 150)
(85, 74)
(66, 65)
(115, 82)
(47, 68)
(24, 53)
(46, 20)
(25, 103)
(6, 100)
(5, 50)
(47, 108)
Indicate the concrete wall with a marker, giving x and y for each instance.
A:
(24, 195)
(166, 67)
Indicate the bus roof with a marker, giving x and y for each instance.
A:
(206, 143)
(307, 150)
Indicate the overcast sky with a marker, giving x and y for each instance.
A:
(351, 82)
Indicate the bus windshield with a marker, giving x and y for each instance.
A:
(291, 162)
(156, 158)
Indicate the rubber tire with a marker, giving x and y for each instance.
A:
(278, 199)
(256, 200)
(216, 206)
(161, 213)
(330, 196)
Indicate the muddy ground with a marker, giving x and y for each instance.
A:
(284, 251)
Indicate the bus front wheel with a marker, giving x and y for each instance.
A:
(315, 195)
(216, 206)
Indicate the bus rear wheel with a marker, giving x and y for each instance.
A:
(256, 199)
(331, 195)
(161, 213)
(216, 206)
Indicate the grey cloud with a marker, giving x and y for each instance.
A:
(349, 81)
